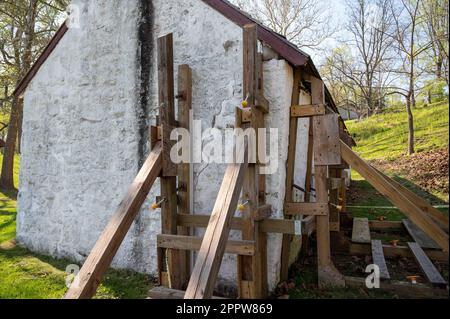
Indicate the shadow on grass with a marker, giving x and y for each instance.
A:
(10, 194)
(362, 193)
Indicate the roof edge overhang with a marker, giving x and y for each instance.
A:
(277, 42)
(40, 60)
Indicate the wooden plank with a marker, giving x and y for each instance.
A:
(383, 225)
(177, 275)
(166, 100)
(251, 270)
(204, 275)
(276, 226)
(415, 214)
(427, 265)
(327, 141)
(379, 260)
(403, 289)
(361, 231)
(438, 216)
(178, 242)
(90, 275)
(396, 252)
(293, 127)
(185, 170)
(307, 110)
(307, 209)
(169, 294)
(419, 236)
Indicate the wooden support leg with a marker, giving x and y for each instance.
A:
(334, 198)
(326, 152)
(252, 274)
(176, 275)
(185, 169)
(293, 125)
(327, 273)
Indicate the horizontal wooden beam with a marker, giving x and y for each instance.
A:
(397, 251)
(383, 225)
(307, 209)
(167, 293)
(276, 226)
(308, 110)
(237, 247)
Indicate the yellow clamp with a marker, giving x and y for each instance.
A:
(241, 207)
(155, 205)
(245, 102)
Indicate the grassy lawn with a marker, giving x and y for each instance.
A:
(385, 136)
(27, 275)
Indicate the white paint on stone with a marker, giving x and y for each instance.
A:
(81, 134)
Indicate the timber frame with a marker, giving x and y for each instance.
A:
(321, 212)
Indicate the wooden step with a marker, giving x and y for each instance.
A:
(237, 247)
(419, 236)
(167, 293)
(379, 260)
(427, 266)
(361, 231)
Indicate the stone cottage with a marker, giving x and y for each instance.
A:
(91, 97)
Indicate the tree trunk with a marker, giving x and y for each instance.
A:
(7, 177)
(409, 103)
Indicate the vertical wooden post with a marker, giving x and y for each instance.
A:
(252, 275)
(334, 200)
(327, 273)
(169, 172)
(293, 126)
(184, 170)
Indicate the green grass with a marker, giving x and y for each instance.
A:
(385, 136)
(27, 275)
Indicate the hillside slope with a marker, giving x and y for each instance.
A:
(382, 140)
(385, 136)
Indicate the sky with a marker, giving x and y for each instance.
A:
(339, 20)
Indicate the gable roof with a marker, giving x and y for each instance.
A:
(277, 42)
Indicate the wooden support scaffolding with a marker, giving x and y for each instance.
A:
(414, 213)
(293, 126)
(326, 153)
(88, 279)
(169, 261)
(204, 274)
(252, 270)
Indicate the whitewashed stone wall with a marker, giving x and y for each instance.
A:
(81, 131)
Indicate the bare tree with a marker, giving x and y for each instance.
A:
(363, 64)
(407, 21)
(435, 18)
(304, 22)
